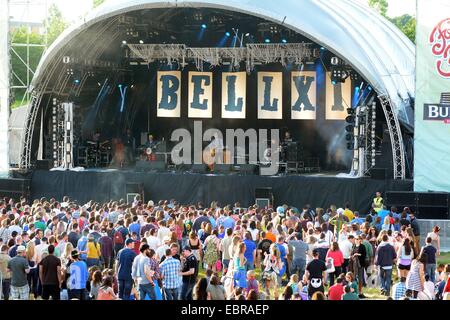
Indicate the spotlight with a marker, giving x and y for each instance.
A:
(247, 34)
(322, 48)
(267, 40)
(77, 81)
(124, 42)
(141, 41)
(204, 26)
(335, 61)
(284, 40)
(227, 34)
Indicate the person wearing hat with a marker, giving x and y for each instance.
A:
(19, 268)
(161, 251)
(189, 272)
(124, 264)
(78, 276)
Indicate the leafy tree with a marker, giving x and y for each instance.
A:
(55, 24)
(96, 3)
(381, 6)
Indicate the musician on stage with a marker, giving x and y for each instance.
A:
(151, 142)
(284, 145)
(149, 149)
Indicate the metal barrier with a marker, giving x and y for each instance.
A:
(426, 226)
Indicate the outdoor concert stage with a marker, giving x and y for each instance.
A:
(295, 190)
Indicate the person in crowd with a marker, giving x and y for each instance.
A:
(124, 264)
(385, 258)
(170, 270)
(316, 275)
(349, 294)
(4, 271)
(337, 257)
(430, 250)
(357, 263)
(142, 274)
(435, 239)
(215, 289)
(19, 268)
(416, 277)
(106, 292)
(50, 275)
(336, 291)
(78, 277)
(189, 272)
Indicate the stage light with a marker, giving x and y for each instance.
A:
(247, 34)
(141, 41)
(334, 83)
(77, 81)
(204, 26)
(227, 34)
(124, 42)
(322, 48)
(335, 61)
(267, 40)
(349, 137)
(284, 40)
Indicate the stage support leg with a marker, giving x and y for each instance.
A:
(4, 85)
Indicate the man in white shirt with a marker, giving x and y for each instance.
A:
(346, 249)
(40, 249)
(152, 241)
(161, 251)
(163, 231)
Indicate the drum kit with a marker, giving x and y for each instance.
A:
(95, 154)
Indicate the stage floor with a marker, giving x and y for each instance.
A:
(318, 190)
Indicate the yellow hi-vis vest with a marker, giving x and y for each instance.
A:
(378, 202)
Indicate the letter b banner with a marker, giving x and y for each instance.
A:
(168, 94)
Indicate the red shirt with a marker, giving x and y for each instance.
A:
(137, 245)
(338, 258)
(336, 292)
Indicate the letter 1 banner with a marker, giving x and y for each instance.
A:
(338, 99)
(303, 94)
(234, 86)
(432, 107)
(200, 94)
(270, 95)
(168, 94)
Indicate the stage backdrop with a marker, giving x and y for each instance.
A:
(200, 94)
(432, 111)
(338, 99)
(303, 95)
(168, 94)
(234, 93)
(270, 95)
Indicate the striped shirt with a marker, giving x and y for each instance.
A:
(170, 269)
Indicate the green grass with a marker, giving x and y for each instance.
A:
(370, 293)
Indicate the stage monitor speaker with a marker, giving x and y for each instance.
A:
(433, 205)
(44, 164)
(199, 168)
(144, 166)
(264, 196)
(134, 187)
(262, 202)
(248, 169)
(401, 199)
(378, 173)
(223, 168)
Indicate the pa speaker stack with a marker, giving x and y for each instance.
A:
(425, 205)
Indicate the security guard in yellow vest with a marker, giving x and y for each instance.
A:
(378, 202)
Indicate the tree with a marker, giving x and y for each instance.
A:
(55, 24)
(381, 6)
(96, 3)
(406, 23)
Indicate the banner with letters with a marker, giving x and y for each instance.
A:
(338, 99)
(432, 105)
(168, 94)
(270, 95)
(200, 94)
(303, 95)
(234, 85)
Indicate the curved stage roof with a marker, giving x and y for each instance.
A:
(349, 29)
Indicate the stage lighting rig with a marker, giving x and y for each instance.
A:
(339, 74)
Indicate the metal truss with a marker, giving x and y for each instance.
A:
(370, 139)
(398, 148)
(252, 54)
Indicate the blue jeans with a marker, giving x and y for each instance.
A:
(92, 262)
(171, 294)
(385, 279)
(186, 290)
(298, 266)
(225, 263)
(145, 289)
(249, 265)
(430, 268)
(125, 289)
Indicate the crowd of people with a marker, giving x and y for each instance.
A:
(166, 250)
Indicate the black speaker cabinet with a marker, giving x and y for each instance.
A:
(223, 168)
(433, 205)
(378, 173)
(264, 195)
(143, 166)
(44, 164)
(199, 168)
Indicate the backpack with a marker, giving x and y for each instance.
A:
(118, 237)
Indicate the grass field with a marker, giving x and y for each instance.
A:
(370, 293)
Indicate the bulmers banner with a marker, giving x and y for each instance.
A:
(432, 108)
